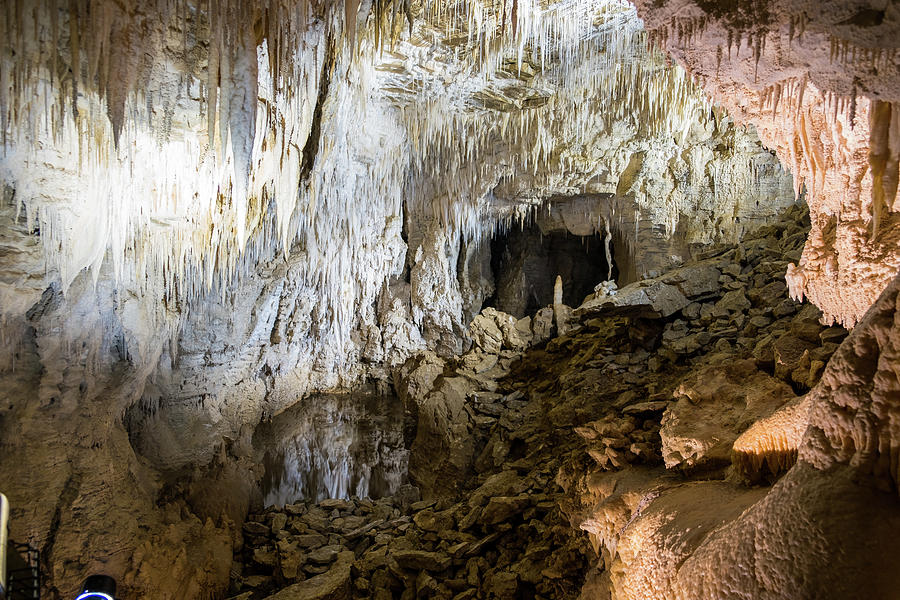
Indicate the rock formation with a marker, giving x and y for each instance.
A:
(818, 80)
(601, 408)
(214, 209)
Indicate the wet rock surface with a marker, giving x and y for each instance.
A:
(520, 446)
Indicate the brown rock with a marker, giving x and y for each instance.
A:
(279, 521)
(311, 540)
(443, 452)
(334, 584)
(325, 555)
(503, 508)
(790, 353)
(502, 584)
(734, 301)
(417, 560)
(336, 503)
(253, 528)
(290, 559)
(716, 403)
(429, 520)
(500, 484)
(264, 556)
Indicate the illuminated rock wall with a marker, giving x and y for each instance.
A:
(818, 79)
(213, 208)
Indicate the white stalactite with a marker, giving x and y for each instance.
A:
(164, 151)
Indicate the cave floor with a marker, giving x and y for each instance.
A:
(548, 426)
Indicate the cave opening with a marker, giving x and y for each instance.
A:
(526, 261)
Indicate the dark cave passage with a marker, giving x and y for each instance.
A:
(526, 261)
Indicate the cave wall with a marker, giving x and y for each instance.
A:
(818, 80)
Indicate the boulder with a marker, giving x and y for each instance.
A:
(264, 557)
(290, 559)
(564, 317)
(311, 540)
(542, 325)
(500, 484)
(494, 330)
(418, 560)
(502, 584)
(790, 353)
(333, 584)
(523, 330)
(651, 298)
(715, 404)
(486, 334)
(415, 379)
(694, 281)
(769, 295)
(253, 528)
(336, 503)
(443, 451)
(503, 508)
(429, 520)
(324, 555)
(734, 301)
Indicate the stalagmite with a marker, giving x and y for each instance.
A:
(558, 291)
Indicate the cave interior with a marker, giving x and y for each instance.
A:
(383, 299)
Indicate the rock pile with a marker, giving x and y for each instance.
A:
(532, 436)
(506, 540)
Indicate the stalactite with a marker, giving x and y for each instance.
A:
(181, 205)
(607, 242)
(884, 153)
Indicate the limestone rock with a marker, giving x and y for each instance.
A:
(790, 353)
(486, 333)
(769, 446)
(421, 560)
(290, 559)
(648, 298)
(542, 325)
(503, 585)
(695, 281)
(324, 556)
(714, 406)
(493, 330)
(416, 378)
(334, 584)
(429, 520)
(500, 484)
(279, 521)
(734, 301)
(443, 451)
(276, 310)
(502, 508)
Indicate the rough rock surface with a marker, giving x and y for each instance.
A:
(713, 406)
(188, 246)
(503, 537)
(819, 80)
(243, 243)
(571, 434)
(688, 536)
